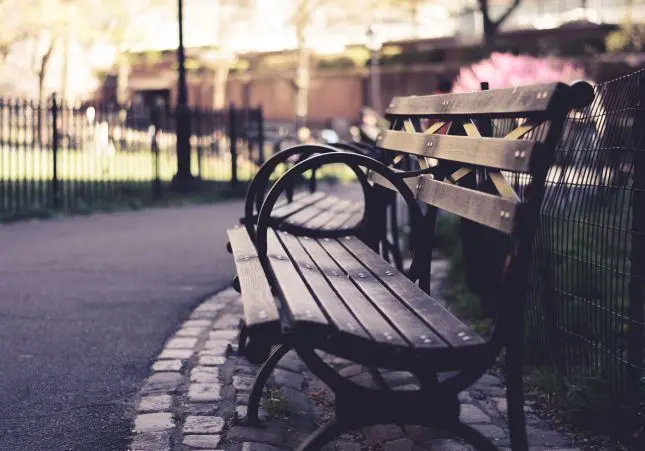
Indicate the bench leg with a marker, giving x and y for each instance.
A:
(252, 417)
(473, 437)
(515, 397)
(321, 437)
(429, 406)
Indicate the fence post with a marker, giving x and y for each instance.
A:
(232, 137)
(154, 148)
(635, 332)
(260, 135)
(55, 139)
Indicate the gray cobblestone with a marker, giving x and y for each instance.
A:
(288, 379)
(203, 425)
(151, 441)
(205, 374)
(201, 408)
(208, 360)
(202, 441)
(167, 365)
(491, 431)
(226, 334)
(182, 343)
(402, 444)
(297, 401)
(271, 436)
(153, 422)
(352, 370)
(189, 332)
(247, 446)
(473, 414)
(161, 383)
(227, 321)
(382, 433)
(198, 323)
(183, 354)
(204, 392)
(155, 403)
(242, 383)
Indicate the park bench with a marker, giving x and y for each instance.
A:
(311, 208)
(336, 294)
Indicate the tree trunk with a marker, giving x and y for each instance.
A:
(123, 74)
(491, 27)
(220, 76)
(42, 72)
(302, 84)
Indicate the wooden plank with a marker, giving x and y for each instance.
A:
(492, 211)
(324, 217)
(508, 155)
(313, 210)
(370, 318)
(508, 102)
(450, 328)
(296, 205)
(502, 186)
(377, 178)
(327, 298)
(301, 304)
(296, 196)
(258, 302)
(409, 325)
(353, 219)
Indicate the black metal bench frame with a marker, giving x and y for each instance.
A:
(464, 157)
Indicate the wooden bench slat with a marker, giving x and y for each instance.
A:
(508, 102)
(301, 304)
(377, 178)
(324, 293)
(259, 304)
(312, 210)
(509, 155)
(409, 325)
(487, 209)
(350, 217)
(339, 208)
(442, 321)
(297, 205)
(296, 196)
(371, 319)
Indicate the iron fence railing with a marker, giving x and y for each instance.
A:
(64, 157)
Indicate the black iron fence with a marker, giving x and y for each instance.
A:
(586, 305)
(63, 157)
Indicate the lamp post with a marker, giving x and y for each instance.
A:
(374, 46)
(183, 177)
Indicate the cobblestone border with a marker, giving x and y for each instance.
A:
(198, 387)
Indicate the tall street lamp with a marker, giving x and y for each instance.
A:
(374, 46)
(183, 178)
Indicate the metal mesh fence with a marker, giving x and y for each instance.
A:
(586, 298)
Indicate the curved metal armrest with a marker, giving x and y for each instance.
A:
(354, 161)
(257, 187)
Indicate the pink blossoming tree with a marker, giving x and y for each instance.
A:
(505, 70)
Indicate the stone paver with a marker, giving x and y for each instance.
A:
(197, 397)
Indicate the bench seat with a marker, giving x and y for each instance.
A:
(319, 210)
(342, 297)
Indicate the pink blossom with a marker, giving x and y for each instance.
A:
(505, 70)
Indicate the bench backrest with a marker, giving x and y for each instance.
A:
(464, 171)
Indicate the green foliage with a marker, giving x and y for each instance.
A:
(336, 63)
(277, 407)
(460, 299)
(630, 37)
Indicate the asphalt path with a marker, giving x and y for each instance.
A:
(86, 303)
